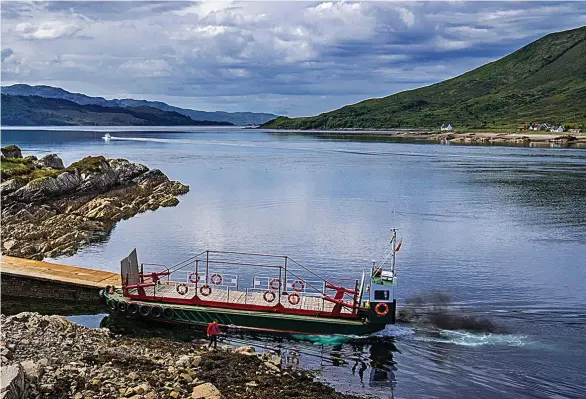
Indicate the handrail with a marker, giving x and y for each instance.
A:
(187, 261)
(245, 253)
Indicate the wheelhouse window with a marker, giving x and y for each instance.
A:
(381, 295)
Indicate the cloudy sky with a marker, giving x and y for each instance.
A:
(293, 58)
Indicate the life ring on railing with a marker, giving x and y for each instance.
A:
(294, 298)
(269, 296)
(157, 311)
(145, 310)
(112, 304)
(182, 289)
(216, 279)
(275, 284)
(168, 313)
(381, 309)
(122, 306)
(298, 285)
(132, 308)
(193, 279)
(205, 290)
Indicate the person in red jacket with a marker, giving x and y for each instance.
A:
(213, 331)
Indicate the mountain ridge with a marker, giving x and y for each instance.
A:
(236, 118)
(544, 81)
(42, 111)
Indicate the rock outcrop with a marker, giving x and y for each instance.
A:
(49, 210)
(52, 161)
(54, 357)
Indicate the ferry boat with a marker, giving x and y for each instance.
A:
(284, 297)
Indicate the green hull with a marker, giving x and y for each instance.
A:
(242, 319)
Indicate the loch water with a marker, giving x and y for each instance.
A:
(500, 231)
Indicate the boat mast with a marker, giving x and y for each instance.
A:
(394, 243)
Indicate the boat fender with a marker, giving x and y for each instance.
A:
(132, 308)
(182, 289)
(205, 290)
(112, 304)
(298, 285)
(294, 298)
(168, 313)
(216, 279)
(275, 284)
(145, 310)
(157, 311)
(381, 309)
(194, 277)
(101, 293)
(122, 306)
(269, 296)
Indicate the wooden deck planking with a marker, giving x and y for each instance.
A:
(313, 303)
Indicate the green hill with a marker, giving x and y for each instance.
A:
(40, 111)
(544, 81)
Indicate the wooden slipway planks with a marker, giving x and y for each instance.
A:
(57, 272)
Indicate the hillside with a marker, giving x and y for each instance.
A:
(544, 81)
(40, 111)
(236, 118)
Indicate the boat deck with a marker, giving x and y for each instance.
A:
(231, 295)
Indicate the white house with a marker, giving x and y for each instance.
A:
(559, 129)
(448, 128)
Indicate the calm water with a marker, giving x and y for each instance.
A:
(501, 230)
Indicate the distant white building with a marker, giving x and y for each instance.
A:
(559, 129)
(444, 128)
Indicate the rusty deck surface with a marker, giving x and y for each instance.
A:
(57, 272)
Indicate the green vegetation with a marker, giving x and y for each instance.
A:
(40, 111)
(26, 170)
(544, 81)
(88, 164)
(15, 167)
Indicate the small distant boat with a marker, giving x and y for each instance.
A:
(107, 137)
(197, 291)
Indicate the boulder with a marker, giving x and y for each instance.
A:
(32, 370)
(206, 391)
(183, 361)
(11, 151)
(12, 382)
(52, 161)
(245, 350)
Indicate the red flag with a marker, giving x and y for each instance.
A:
(399, 245)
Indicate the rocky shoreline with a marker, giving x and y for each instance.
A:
(50, 210)
(52, 357)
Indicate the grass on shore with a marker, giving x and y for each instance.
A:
(26, 170)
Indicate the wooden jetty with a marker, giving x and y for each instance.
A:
(25, 278)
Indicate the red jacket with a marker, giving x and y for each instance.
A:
(213, 329)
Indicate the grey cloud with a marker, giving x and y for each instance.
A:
(6, 52)
(305, 57)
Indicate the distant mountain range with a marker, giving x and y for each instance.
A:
(545, 81)
(40, 111)
(236, 118)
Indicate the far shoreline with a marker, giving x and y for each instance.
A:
(533, 139)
